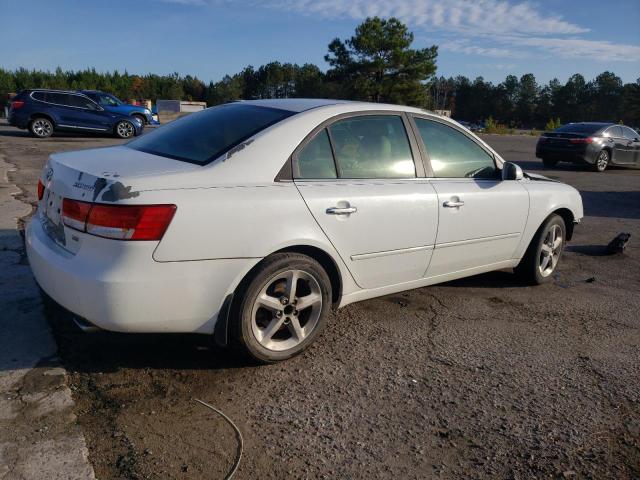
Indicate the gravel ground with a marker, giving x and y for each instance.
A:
(477, 378)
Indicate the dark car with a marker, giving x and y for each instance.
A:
(595, 144)
(112, 103)
(44, 111)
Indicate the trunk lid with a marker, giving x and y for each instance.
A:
(103, 175)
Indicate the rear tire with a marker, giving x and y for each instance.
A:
(549, 162)
(602, 161)
(544, 252)
(41, 127)
(282, 308)
(125, 129)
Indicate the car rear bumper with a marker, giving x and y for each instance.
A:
(117, 285)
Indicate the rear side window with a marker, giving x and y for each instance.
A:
(629, 133)
(202, 137)
(315, 160)
(39, 96)
(453, 154)
(615, 132)
(372, 146)
(57, 98)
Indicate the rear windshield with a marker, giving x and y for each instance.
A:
(580, 128)
(204, 136)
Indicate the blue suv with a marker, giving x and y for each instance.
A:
(112, 103)
(46, 111)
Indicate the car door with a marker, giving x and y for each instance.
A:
(86, 114)
(481, 217)
(362, 179)
(633, 144)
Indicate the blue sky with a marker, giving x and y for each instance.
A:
(209, 38)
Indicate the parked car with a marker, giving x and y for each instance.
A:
(249, 221)
(44, 111)
(111, 103)
(595, 144)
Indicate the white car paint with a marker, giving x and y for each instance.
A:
(232, 213)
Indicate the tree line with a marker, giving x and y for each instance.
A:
(376, 64)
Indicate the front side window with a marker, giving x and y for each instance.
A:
(453, 154)
(109, 100)
(372, 146)
(315, 160)
(203, 136)
(613, 132)
(81, 102)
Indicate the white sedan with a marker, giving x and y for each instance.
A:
(251, 220)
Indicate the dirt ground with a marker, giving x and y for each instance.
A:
(477, 378)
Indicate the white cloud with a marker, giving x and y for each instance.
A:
(466, 16)
(489, 28)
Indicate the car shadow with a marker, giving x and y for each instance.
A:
(104, 351)
(495, 279)
(612, 204)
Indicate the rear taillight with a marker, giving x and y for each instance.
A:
(122, 222)
(74, 214)
(581, 140)
(40, 190)
(16, 104)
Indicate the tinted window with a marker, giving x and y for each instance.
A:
(81, 102)
(57, 98)
(38, 96)
(615, 132)
(202, 137)
(629, 133)
(372, 147)
(585, 128)
(108, 100)
(453, 154)
(315, 160)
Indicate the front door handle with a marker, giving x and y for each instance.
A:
(341, 210)
(453, 204)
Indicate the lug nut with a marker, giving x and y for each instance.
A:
(279, 314)
(295, 312)
(284, 300)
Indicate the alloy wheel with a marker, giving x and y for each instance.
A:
(550, 250)
(286, 310)
(42, 127)
(125, 129)
(602, 161)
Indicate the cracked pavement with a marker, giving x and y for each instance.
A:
(478, 378)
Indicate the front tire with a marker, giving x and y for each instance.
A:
(125, 129)
(602, 161)
(41, 127)
(544, 252)
(282, 308)
(141, 118)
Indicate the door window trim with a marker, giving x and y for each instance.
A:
(425, 151)
(290, 169)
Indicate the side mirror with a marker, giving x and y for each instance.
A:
(511, 171)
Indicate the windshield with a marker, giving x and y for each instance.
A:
(204, 136)
(587, 128)
(110, 100)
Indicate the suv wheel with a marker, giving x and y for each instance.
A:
(124, 129)
(41, 127)
(141, 118)
(283, 307)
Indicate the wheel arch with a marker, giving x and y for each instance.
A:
(567, 216)
(232, 299)
(33, 116)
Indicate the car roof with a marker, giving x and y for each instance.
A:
(298, 105)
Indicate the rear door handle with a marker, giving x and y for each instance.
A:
(341, 210)
(453, 204)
